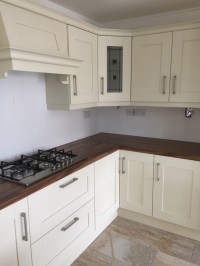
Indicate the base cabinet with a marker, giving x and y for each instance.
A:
(106, 188)
(136, 182)
(15, 238)
(176, 195)
(55, 247)
(163, 187)
(62, 218)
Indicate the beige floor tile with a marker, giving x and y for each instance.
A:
(167, 260)
(128, 243)
(196, 255)
(93, 258)
(159, 240)
(123, 249)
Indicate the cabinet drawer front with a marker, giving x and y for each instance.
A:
(52, 204)
(49, 248)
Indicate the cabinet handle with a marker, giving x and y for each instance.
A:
(119, 165)
(164, 85)
(174, 85)
(24, 220)
(123, 166)
(68, 183)
(102, 85)
(157, 168)
(75, 85)
(69, 224)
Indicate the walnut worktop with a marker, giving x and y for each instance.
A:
(96, 147)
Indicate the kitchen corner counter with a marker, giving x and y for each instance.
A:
(96, 147)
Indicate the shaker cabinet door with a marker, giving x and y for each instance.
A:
(15, 238)
(136, 182)
(185, 73)
(83, 46)
(106, 188)
(151, 59)
(177, 191)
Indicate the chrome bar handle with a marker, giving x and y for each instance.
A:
(68, 183)
(119, 165)
(164, 85)
(102, 85)
(69, 224)
(123, 167)
(157, 175)
(24, 220)
(174, 85)
(75, 85)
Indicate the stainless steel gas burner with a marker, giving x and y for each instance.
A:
(30, 169)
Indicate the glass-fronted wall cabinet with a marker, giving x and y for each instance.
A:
(114, 59)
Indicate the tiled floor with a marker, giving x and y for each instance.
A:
(129, 243)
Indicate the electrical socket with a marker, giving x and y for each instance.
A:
(135, 112)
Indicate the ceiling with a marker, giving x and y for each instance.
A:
(103, 11)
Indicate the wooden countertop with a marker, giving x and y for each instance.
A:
(96, 147)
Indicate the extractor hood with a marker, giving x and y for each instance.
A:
(33, 42)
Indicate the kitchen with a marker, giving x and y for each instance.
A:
(27, 125)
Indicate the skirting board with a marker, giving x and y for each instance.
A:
(172, 228)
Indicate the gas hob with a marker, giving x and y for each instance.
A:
(31, 169)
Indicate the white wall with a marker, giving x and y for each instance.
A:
(25, 122)
(26, 125)
(167, 123)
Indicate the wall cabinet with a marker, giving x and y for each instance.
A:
(151, 57)
(114, 63)
(175, 184)
(15, 238)
(157, 78)
(106, 188)
(83, 45)
(79, 89)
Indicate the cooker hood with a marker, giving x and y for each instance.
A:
(33, 42)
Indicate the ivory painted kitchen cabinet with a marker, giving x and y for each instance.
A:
(159, 75)
(185, 71)
(136, 181)
(83, 45)
(15, 247)
(106, 188)
(163, 187)
(62, 219)
(151, 59)
(176, 196)
(78, 89)
(114, 61)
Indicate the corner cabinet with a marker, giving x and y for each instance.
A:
(159, 75)
(114, 63)
(78, 89)
(163, 187)
(15, 238)
(106, 189)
